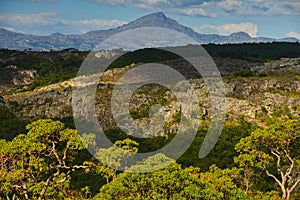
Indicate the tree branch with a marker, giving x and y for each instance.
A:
(65, 152)
(289, 170)
(55, 153)
(69, 172)
(274, 177)
(294, 186)
(277, 154)
(42, 193)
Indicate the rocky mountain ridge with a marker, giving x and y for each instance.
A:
(89, 40)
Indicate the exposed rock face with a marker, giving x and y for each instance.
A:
(268, 93)
(244, 96)
(251, 97)
(50, 104)
(292, 64)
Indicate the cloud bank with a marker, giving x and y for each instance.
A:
(41, 23)
(215, 8)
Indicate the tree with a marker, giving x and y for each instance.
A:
(223, 181)
(112, 156)
(39, 163)
(274, 149)
(171, 182)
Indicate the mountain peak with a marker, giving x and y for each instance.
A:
(158, 19)
(153, 18)
(155, 15)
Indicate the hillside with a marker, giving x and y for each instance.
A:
(37, 84)
(262, 110)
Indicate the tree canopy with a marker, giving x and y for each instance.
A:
(274, 150)
(49, 161)
(38, 164)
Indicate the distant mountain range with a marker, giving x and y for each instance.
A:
(89, 40)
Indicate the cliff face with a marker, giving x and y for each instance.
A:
(249, 96)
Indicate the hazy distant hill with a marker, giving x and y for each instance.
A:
(89, 40)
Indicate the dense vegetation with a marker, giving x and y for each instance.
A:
(255, 52)
(47, 160)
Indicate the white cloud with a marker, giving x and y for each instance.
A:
(226, 5)
(254, 7)
(46, 23)
(295, 4)
(189, 7)
(213, 8)
(42, 19)
(272, 8)
(153, 2)
(228, 29)
(293, 34)
(195, 11)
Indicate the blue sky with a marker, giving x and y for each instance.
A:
(273, 18)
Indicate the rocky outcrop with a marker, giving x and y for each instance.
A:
(248, 96)
(284, 64)
(244, 96)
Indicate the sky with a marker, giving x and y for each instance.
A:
(267, 18)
